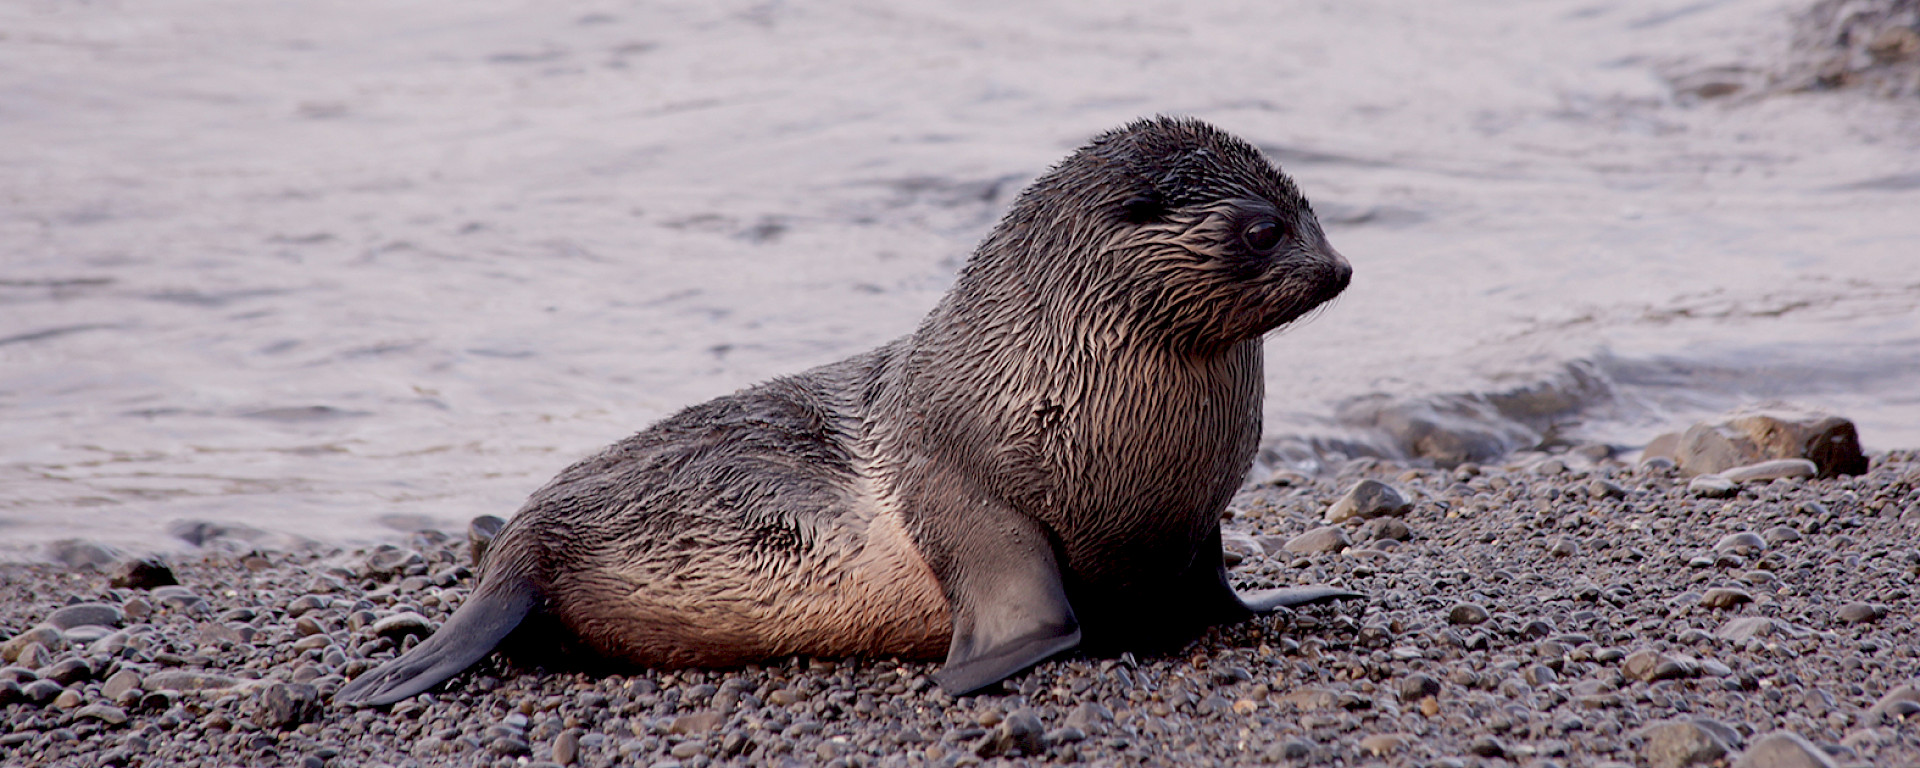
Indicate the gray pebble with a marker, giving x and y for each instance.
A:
(83, 614)
(480, 533)
(1680, 743)
(40, 691)
(1322, 540)
(110, 715)
(306, 604)
(142, 573)
(1858, 612)
(1650, 665)
(286, 705)
(1783, 749)
(1725, 597)
(34, 656)
(1368, 499)
(1770, 470)
(1780, 534)
(186, 680)
(1418, 686)
(1467, 614)
(1025, 732)
(68, 671)
(1742, 543)
(44, 635)
(1385, 528)
(180, 599)
(401, 625)
(389, 560)
(1712, 487)
(119, 684)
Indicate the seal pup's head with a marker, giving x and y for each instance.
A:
(1166, 227)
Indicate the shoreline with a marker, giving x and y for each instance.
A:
(1573, 613)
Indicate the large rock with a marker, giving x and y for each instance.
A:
(1749, 437)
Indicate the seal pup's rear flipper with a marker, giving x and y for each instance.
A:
(1270, 600)
(1009, 608)
(487, 618)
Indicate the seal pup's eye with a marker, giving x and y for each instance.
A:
(1263, 235)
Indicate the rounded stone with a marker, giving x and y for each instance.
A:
(401, 625)
(1368, 499)
(142, 573)
(1859, 612)
(1725, 597)
(1742, 543)
(1783, 749)
(1468, 614)
(1322, 540)
(84, 614)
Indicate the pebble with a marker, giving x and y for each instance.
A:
(1780, 534)
(142, 573)
(43, 635)
(1745, 628)
(110, 715)
(34, 656)
(120, 684)
(83, 614)
(1467, 614)
(1897, 704)
(480, 533)
(1368, 499)
(1712, 487)
(180, 599)
(1385, 528)
(1322, 540)
(696, 722)
(1418, 686)
(40, 691)
(1783, 749)
(1650, 665)
(67, 671)
(1770, 470)
(1383, 744)
(566, 746)
(187, 680)
(1859, 612)
(1024, 731)
(401, 625)
(281, 706)
(1680, 743)
(1725, 597)
(389, 560)
(1742, 543)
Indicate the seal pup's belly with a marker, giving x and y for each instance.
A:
(865, 592)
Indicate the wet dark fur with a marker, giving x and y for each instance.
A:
(1059, 438)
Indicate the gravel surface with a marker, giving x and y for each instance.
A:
(1560, 610)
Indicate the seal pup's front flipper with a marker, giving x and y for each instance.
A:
(496, 608)
(1270, 600)
(1009, 607)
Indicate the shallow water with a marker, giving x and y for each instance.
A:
(337, 278)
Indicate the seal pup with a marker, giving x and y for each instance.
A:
(1041, 465)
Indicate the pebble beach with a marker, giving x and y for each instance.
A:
(1566, 609)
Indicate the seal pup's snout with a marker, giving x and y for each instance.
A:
(1339, 270)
